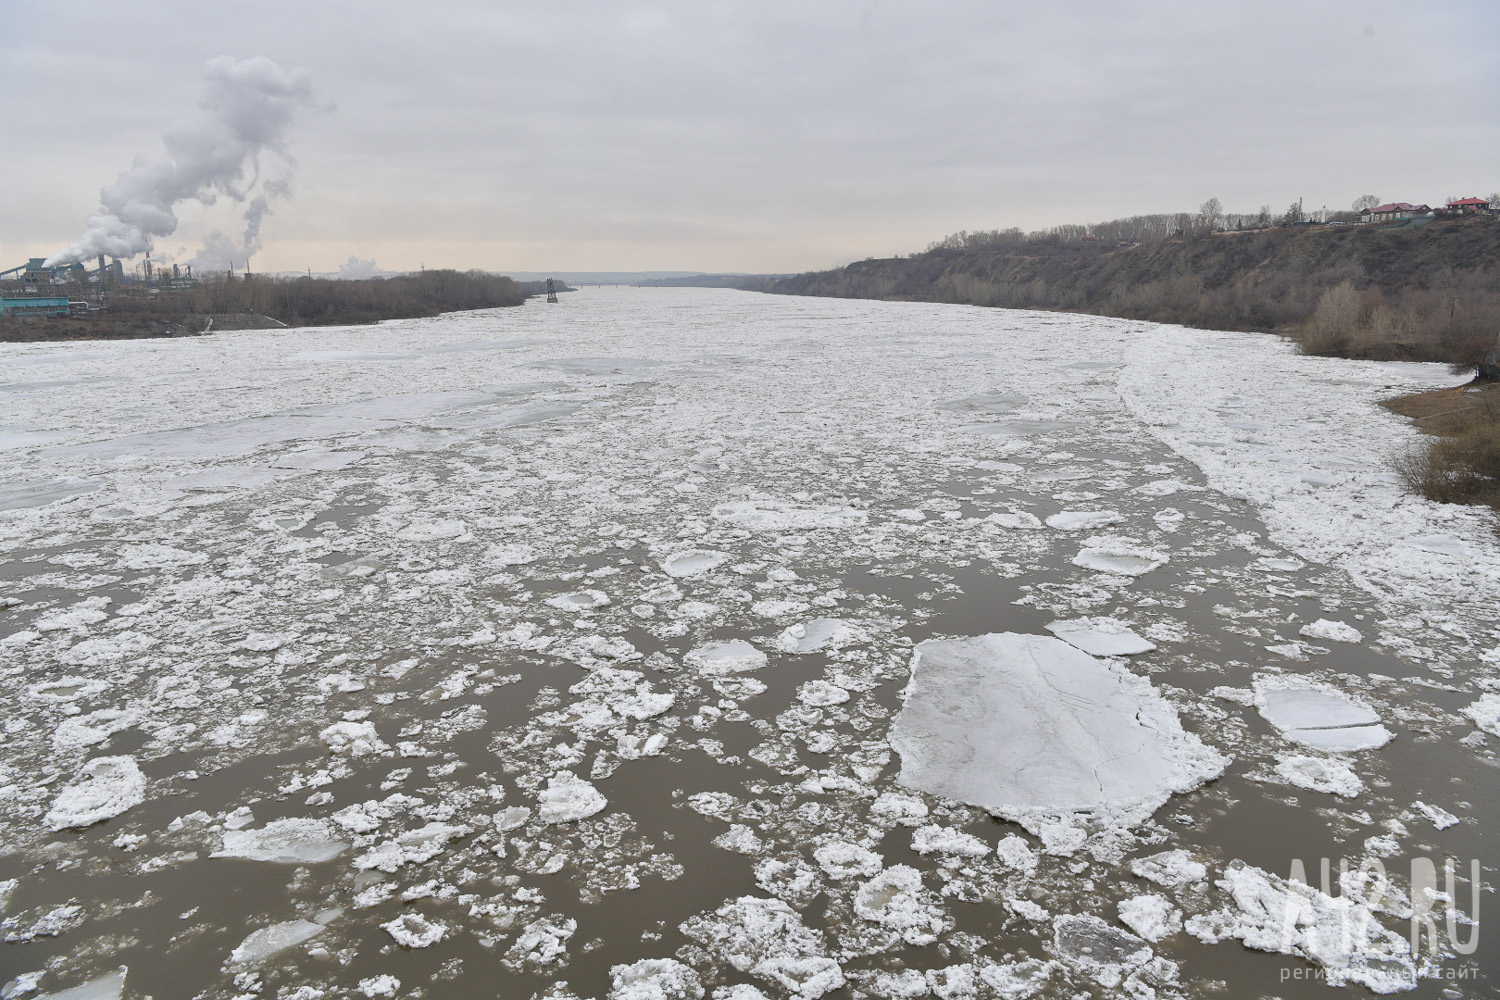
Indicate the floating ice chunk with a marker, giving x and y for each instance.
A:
(1151, 916)
(821, 633)
(1015, 519)
(654, 979)
(1170, 868)
(357, 739)
(105, 788)
(1320, 774)
(898, 807)
(1436, 815)
(568, 798)
(767, 515)
(1088, 943)
(1018, 427)
(843, 860)
(1445, 545)
(806, 978)
(582, 600)
(544, 941)
(1083, 520)
(1014, 852)
(1485, 713)
(693, 562)
(351, 356)
(821, 694)
(1041, 733)
(268, 941)
(1338, 934)
(735, 656)
(740, 839)
(747, 931)
(1319, 716)
(18, 496)
(68, 688)
(1119, 559)
(596, 366)
(110, 986)
(934, 839)
(412, 930)
(984, 402)
(412, 847)
(79, 616)
(1331, 631)
(1101, 637)
(511, 818)
(318, 460)
(286, 841)
(896, 900)
(379, 986)
(513, 554)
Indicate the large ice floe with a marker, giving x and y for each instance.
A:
(1041, 733)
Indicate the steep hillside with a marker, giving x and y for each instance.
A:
(1428, 291)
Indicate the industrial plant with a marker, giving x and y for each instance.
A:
(35, 289)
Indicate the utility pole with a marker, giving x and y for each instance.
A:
(551, 291)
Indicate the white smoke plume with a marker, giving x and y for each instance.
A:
(357, 269)
(245, 111)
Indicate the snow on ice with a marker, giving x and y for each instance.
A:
(1041, 733)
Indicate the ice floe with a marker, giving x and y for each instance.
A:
(1101, 636)
(268, 942)
(1339, 934)
(1041, 733)
(1320, 774)
(1331, 631)
(1317, 715)
(104, 788)
(568, 798)
(287, 841)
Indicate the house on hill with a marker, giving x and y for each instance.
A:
(1393, 211)
(1468, 206)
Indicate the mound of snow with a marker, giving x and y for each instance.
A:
(105, 788)
(1041, 733)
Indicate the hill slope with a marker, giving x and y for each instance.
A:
(1427, 291)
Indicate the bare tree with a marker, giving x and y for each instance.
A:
(1365, 202)
(1210, 215)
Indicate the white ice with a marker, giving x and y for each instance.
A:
(568, 798)
(104, 788)
(1035, 730)
(270, 941)
(298, 840)
(1101, 636)
(1319, 716)
(110, 986)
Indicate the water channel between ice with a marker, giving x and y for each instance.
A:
(569, 650)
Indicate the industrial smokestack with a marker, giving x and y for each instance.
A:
(246, 109)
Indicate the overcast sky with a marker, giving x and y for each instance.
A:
(752, 136)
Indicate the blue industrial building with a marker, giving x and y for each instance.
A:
(38, 305)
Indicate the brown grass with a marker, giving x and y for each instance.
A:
(1461, 464)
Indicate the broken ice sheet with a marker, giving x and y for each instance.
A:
(1041, 733)
(1319, 716)
(1101, 636)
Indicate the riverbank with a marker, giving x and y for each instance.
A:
(1421, 290)
(261, 302)
(1462, 462)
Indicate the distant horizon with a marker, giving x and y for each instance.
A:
(771, 138)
